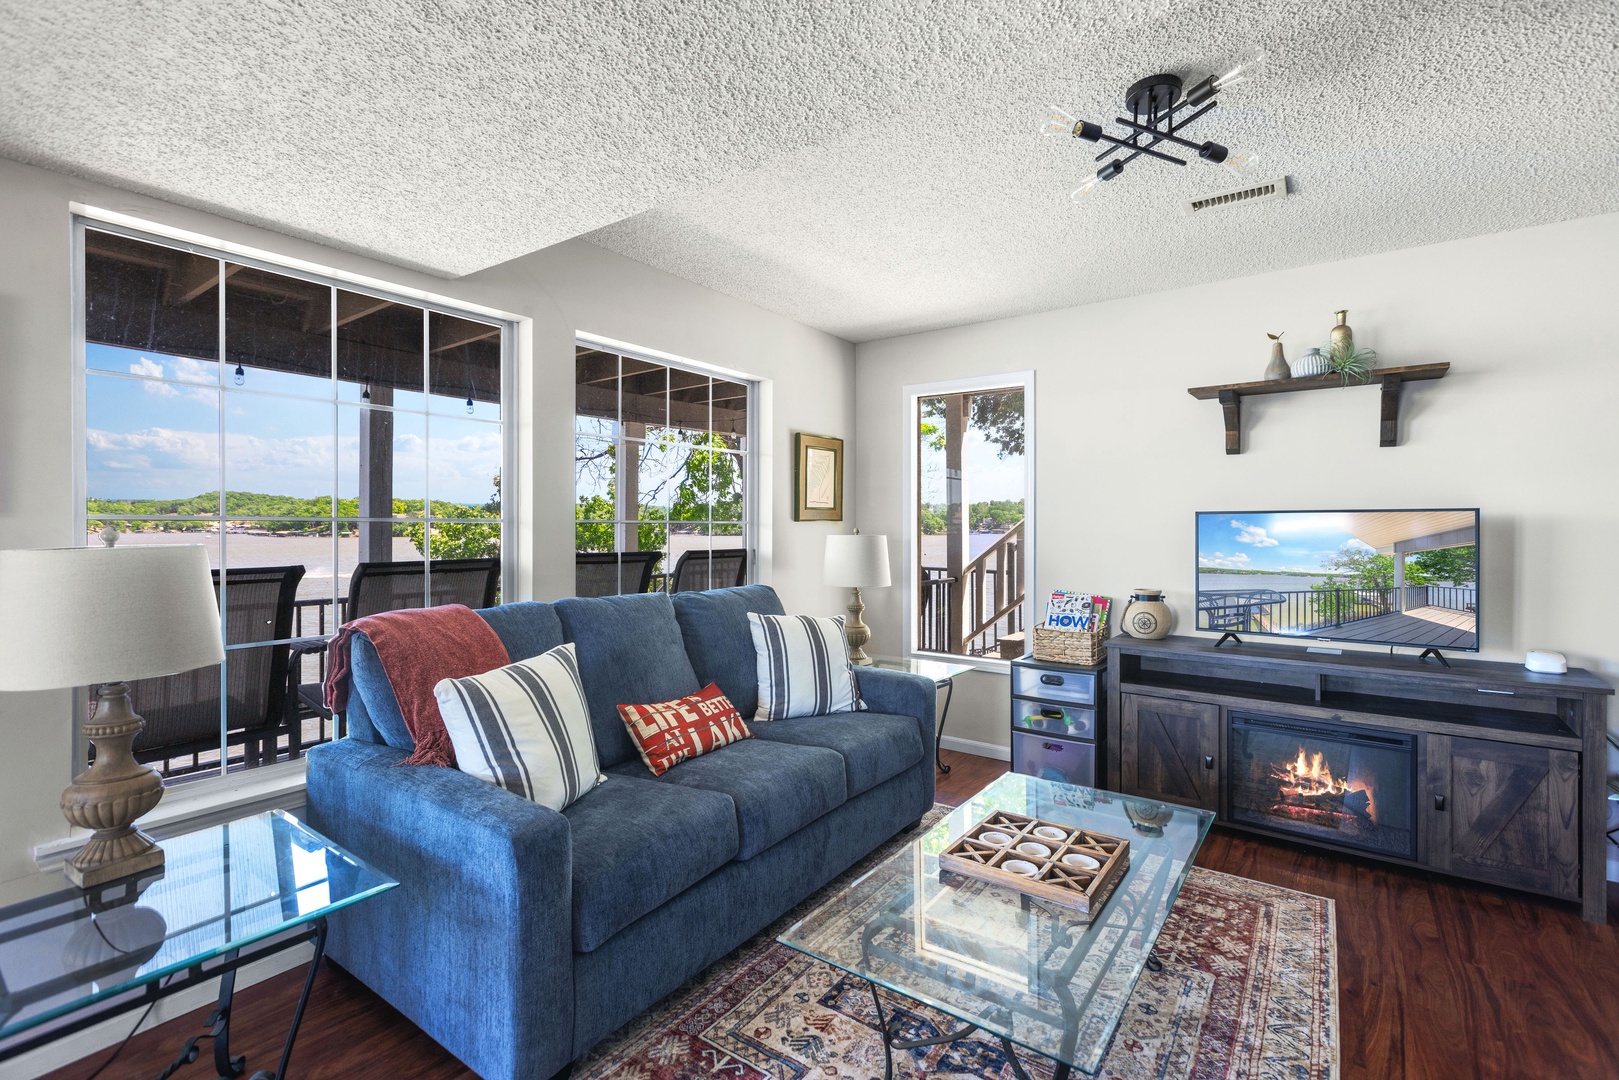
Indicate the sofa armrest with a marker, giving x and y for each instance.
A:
(476, 944)
(903, 694)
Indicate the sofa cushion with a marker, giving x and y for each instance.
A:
(777, 787)
(526, 628)
(524, 727)
(370, 681)
(638, 843)
(715, 626)
(874, 746)
(630, 651)
(669, 732)
(803, 666)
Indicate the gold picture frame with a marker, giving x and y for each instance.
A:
(817, 477)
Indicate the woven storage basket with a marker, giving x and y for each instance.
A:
(1070, 646)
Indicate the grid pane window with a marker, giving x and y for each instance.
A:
(660, 465)
(288, 426)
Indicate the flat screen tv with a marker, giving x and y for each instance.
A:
(1374, 577)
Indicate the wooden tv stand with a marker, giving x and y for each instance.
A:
(1510, 781)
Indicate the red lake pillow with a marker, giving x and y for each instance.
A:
(668, 732)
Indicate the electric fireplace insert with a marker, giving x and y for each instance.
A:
(1351, 786)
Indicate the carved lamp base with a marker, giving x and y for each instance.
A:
(857, 632)
(109, 796)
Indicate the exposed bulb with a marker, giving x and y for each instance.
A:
(1059, 122)
(469, 404)
(1242, 71)
(1106, 172)
(1237, 162)
(241, 375)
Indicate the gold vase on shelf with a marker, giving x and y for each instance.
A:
(1342, 333)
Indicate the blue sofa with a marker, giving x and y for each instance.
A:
(520, 937)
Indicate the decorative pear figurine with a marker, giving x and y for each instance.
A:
(1342, 333)
(1277, 368)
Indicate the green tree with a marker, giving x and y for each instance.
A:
(1445, 566)
(1354, 568)
(458, 539)
(1359, 568)
(706, 487)
(997, 416)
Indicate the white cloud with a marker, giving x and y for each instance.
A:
(185, 370)
(297, 465)
(1221, 561)
(147, 367)
(188, 370)
(187, 448)
(1356, 545)
(1253, 534)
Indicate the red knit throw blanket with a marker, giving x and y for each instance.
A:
(417, 648)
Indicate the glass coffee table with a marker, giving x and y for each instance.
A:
(1034, 975)
(227, 896)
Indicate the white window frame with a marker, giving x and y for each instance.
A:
(912, 396)
(202, 796)
(752, 493)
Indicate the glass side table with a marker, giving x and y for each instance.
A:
(227, 896)
(1033, 975)
(942, 672)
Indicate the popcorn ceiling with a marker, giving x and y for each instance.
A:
(868, 168)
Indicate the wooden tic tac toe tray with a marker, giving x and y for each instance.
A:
(1061, 864)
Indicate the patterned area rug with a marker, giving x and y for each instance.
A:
(1248, 991)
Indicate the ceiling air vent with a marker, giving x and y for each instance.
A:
(1265, 189)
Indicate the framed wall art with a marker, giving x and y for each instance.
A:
(817, 478)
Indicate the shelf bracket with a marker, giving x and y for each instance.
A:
(1389, 433)
(1231, 405)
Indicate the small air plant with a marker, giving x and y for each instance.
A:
(1349, 363)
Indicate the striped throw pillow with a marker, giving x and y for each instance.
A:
(525, 727)
(668, 732)
(803, 666)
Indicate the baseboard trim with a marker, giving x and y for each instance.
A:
(110, 1033)
(994, 751)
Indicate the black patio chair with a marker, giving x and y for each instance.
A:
(720, 568)
(610, 573)
(375, 587)
(182, 711)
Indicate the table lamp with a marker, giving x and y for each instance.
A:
(95, 617)
(857, 562)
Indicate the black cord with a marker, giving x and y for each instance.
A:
(120, 1048)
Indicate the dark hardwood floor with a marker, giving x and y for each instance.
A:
(1436, 979)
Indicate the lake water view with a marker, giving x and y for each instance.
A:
(1251, 582)
(934, 547)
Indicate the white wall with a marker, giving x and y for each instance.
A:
(568, 288)
(1526, 426)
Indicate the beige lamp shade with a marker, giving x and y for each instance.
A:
(83, 616)
(857, 561)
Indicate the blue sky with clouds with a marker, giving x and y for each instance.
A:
(1283, 541)
(159, 437)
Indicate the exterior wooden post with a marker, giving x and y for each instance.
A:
(377, 478)
(955, 481)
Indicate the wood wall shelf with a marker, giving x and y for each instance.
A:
(1230, 396)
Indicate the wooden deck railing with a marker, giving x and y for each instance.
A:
(991, 592)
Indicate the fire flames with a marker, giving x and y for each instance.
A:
(1307, 789)
(1310, 778)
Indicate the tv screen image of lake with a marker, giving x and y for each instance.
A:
(1388, 577)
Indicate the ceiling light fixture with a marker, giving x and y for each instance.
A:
(1156, 106)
